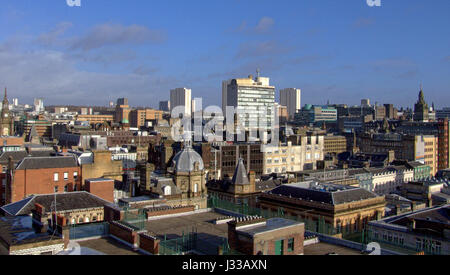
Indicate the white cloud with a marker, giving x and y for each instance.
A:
(116, 34)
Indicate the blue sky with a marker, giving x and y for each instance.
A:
(333, 50)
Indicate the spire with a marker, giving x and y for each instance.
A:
(240, 174)
(6, 93)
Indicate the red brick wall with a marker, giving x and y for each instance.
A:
(40, 181)
(298, 245)
(112, 214)
(123, 233)
(250, 246)
(149, 243)
(102, 189)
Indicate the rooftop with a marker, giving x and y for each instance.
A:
(267, 226)
(47, 162)
(19, 230)
(323, 192)
(64, 202)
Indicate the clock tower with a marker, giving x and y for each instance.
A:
(6, 121)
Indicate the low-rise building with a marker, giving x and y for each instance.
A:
(345, 209)
(422, 231)
(258, 236)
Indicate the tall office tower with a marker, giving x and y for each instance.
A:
(365, 102)
(225, 84)
(39, 105)
(254, 97)
(164, 106)
(181, 97)
(122, 111)
(291, 98)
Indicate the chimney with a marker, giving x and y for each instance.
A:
(251, 179)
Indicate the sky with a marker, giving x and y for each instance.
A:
(333, 50)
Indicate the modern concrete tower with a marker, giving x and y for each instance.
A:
(256, 98)
(291, 98)
(181, 97)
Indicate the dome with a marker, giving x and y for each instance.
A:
(185, 160)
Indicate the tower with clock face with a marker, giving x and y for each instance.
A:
(6, 120)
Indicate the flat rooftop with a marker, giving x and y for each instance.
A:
(109, 246)
(210, 235)
(326, 248)
(268, 226)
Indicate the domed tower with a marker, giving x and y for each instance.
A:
(188, 173)
(6, 121)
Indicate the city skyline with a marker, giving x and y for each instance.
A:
(341, 53)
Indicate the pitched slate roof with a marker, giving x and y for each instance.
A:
(64, 202)
(325, 193)
(20, 155)
(240, 174)
(47, 162)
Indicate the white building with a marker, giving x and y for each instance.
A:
(294, 158)
(254, 100)
(291, 98)
(388, 180)
(39, 105)
(181, 97)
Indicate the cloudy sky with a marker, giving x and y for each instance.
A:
(339, 51)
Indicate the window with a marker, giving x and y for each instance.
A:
(75, 175)
(55, 177)
(66, 188)
(56, 189)
(167, 191)
(195, 188)
(66, 176)
(290, 245)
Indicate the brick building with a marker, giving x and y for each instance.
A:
(42, 175)
(258, 236)
(242, 188)
(139, 117)
(334, 144)
(347, 209)
(102, 188)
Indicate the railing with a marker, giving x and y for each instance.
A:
(83, 231)
(314, 225)
(137, 220)
(178, 246)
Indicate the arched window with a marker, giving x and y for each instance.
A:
(86, 219)
(195, 188)
(167, 191)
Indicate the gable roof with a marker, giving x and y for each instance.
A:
(47, 162)
(64, 202)
(20, 155)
